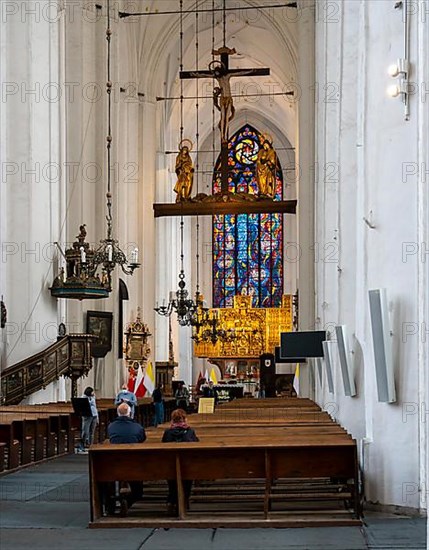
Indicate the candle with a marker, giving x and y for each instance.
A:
(136, 255)
(82, 255)
(109, 252)
(172, 295)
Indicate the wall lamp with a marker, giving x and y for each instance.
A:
(401, 69)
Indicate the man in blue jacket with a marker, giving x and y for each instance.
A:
(125, 430)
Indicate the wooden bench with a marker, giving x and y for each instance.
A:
(280, 455)
(291, 457)
(30, 433)
(9, 438)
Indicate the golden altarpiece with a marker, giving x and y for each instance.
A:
(250, 333)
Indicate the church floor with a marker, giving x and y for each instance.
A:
(47, 507)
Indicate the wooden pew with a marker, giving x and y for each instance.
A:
(2, 456)
(13, 432)
(57, 425)
(285, 454)
(237, 432)
(292, 457)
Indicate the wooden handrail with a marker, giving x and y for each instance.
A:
(70, 356)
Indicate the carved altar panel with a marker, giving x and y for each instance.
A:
(255, 330)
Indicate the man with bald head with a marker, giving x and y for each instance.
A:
(124, 429)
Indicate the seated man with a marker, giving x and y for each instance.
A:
(177, 432)
(125, 430)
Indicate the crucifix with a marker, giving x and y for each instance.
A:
(222, 97)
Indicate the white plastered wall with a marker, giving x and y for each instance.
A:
(363, 148)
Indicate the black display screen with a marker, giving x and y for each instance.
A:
(302, 344)
(280, 359)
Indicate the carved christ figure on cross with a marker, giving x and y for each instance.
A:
(222, 93)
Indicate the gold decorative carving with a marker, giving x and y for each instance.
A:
(136, 345)
(255, 330)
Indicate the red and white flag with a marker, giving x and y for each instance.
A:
(139, 387)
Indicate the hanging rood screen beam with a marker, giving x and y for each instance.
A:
(214, 151)
(228, 207)
(233, 95)
(123, 14)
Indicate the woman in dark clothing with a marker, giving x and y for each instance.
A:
(158, 401)
(178, 432)
(182, 397)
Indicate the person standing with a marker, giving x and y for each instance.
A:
(158, 401)
(182, 397)
(89, 423)
(128, 397)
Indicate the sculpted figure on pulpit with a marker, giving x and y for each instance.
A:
(185, 173)
(266, 165)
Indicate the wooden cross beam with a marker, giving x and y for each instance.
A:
(211, 208)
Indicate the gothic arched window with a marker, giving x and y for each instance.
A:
(247, 248)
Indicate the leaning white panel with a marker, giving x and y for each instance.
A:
(382, 343)
(319, 365)
(344, 354)
(327, 354)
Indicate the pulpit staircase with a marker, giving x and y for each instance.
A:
(70, 356)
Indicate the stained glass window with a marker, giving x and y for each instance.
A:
(247, 248)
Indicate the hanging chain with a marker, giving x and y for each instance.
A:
(109, 124)
(213, 104)
(197, 137)
(182, 272)
(224, 23)
(181, 69)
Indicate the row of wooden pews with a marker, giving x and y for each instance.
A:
(32, 433)
(259, 463)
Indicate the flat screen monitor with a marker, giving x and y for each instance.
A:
(302, 344)
(280, 359)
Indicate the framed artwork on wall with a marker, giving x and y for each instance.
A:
(99, 323)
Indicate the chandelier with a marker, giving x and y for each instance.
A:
(82, 278)
(188, 311)
(213, 331)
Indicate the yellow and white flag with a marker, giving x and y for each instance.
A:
(296, 379)
(149, 378)
(213, 376)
